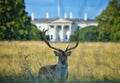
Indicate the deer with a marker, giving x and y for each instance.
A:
(58, 71)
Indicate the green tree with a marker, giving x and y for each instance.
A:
(15, 23)
(109, 22)
(89, 33)
(75, 37)
(35, 33)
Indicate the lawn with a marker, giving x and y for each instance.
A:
(90, 62)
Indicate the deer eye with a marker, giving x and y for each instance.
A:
(58, 53)
(68, 53)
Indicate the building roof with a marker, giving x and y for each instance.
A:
(74, 20)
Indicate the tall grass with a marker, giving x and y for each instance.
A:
(89, 62)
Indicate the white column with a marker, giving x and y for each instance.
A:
(55, 31)
(62, 36)
(70, 31)
(49, 32)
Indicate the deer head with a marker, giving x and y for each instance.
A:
(62, 54)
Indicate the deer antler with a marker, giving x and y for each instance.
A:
(77, 42)
(43, 36)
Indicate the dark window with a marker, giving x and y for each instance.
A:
(66, 26)
(39, 26)
(51, 37)
(51, 26)
(59, 27)
(66, 37)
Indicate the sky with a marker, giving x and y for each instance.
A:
(92, 8)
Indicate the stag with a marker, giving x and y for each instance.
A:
(58, 71)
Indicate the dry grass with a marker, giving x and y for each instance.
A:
(89, 63)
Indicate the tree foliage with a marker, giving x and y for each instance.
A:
(108, 28)
(35, 33)
(109, 22)
(89, 33)
(15, 22)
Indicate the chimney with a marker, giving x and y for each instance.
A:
(47, 16)
(85, 16)
(65, 15)
(71, 16)
(32, 16)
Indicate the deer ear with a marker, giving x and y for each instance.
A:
(56, 53)
(68, 53)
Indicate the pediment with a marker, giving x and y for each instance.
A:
(61, 20)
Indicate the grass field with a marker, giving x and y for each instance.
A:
(89, 62)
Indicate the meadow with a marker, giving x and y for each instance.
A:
(90, 62)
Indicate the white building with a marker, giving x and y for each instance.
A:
(60, 29)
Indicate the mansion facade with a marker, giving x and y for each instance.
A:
(60, 29)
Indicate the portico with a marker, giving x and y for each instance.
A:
(59, 32)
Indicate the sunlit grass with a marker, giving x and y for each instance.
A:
(89, 62)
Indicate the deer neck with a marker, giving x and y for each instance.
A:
(62, 69)
(62, 65)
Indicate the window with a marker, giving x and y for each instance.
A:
(66, 37)
(59, 27)
(58, 37)
(39, 26)
(66, 26)
(51, 26)
(51, 37)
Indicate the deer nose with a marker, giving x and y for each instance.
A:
(63, 59)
